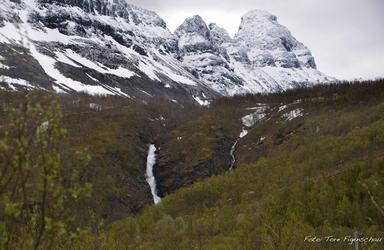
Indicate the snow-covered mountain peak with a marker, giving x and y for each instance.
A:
(269, 43)
(137, 14)
(194, 25)
(193, 35)
(257, 15)
(261, 28)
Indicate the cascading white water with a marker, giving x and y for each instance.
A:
(232, 152)
(151, 160)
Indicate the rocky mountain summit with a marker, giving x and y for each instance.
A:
(262, 57)
(111, 47)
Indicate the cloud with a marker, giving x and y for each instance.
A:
(345, 36)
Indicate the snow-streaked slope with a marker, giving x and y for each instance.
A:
(48, 65)
(14, 83)
(127, 44)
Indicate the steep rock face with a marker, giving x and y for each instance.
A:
(201, 53)
(193, 35)
(219, 35)
(172, 175)
(270, 44)
(113, 8)
(118, 19)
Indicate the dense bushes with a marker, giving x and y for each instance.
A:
(38, 187)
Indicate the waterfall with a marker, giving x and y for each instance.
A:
(151, 160)
(232, 152)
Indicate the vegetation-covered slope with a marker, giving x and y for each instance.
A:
(317, 174)
(116, 133)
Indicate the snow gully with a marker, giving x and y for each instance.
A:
(151, 161)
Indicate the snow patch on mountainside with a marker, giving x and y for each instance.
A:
(201, 102)
(293, 114)
(2, 65)
(12, 82)
(243, 133)
(284, 107)
(121, 72)
(251, 119)
(48, 64)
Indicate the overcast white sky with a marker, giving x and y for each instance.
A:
(345, 36)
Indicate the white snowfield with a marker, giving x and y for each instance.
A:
(96, 107)
(243, 133)
(251, 119)
(2, 65)
(201, 102)
(284, 107)
(293, 114)
(12, 82)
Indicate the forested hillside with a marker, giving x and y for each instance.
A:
(310, 164)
